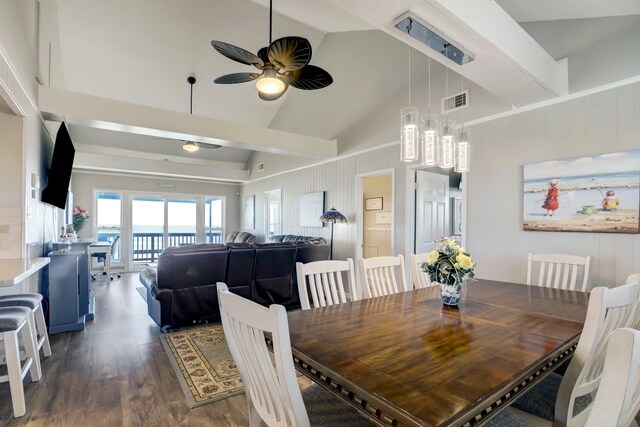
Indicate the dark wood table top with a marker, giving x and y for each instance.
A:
(420, 363)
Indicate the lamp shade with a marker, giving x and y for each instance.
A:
(332, 216)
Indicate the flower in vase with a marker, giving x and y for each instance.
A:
(449, 263)
(80, 216)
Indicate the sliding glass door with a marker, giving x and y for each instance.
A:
(181, 222)
(147, 230)
(149, 223)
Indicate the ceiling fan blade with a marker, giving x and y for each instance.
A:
(236, 78)
(237, 54)
(269, 97)
(308, 78)
(290, 53)
(207, 146)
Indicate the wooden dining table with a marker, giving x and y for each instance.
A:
(407, 360)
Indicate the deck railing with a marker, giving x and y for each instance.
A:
(147, 246)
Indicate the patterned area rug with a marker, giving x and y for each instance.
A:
(203, 364)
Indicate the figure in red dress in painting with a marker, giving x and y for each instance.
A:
(551, 199)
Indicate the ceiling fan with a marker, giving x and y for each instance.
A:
(284, 63)
(193, 146)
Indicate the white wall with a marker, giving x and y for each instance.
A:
(337, 179)
(600, 123)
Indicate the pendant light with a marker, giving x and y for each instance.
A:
(429, 130)
(462, 148)
(190, 146)
(446, 152)
(409, 132)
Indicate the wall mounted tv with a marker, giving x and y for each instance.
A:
(59, 175)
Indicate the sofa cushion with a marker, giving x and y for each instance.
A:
(239, 237)
(191, 268)
(295, 238)
(273, 268)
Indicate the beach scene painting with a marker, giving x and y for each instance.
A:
(598, 194)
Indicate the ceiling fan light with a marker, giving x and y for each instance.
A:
(190, 146)
(270, 83)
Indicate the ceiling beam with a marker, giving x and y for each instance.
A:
(102, 113)
(508, 62)
(136, 166)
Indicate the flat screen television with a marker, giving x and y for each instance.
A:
(59, 175)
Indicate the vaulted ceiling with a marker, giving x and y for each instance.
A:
(140, 53)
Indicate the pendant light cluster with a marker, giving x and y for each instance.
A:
(433, 139)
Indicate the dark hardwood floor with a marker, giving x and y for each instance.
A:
(114, 373)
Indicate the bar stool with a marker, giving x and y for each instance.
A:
(14, 320)
(33, 302)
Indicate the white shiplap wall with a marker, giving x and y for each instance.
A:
(603, 122)
(338, 181)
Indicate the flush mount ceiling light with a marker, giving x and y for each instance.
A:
(432, 37)
(284, 63)
(192, 146)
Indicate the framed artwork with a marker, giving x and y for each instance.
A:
(250, 212)
(598, 194)
(380, 218)
(311, 209)
(373, 204)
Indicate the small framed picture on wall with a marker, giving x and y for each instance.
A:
(373, 204)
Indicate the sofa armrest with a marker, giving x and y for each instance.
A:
(149, 278)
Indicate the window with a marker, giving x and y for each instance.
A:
(109, 220)
(213, 220)
(273, 202)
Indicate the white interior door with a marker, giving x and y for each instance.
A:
(432, 209)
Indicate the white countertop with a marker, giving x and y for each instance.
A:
(14, 271)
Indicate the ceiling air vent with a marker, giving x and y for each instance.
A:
(457, 101)
(260, 167)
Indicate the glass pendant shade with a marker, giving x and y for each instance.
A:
(270, 83)
(430, 140)
(463, 153)
(409, 134)
(446, 154)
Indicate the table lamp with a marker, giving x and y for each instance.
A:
(332, 216)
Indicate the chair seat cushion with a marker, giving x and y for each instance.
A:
(21, 300)
(325, 409)
(12, 317)
(541, 399)
(507, 419)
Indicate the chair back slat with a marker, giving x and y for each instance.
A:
(323, 280)
(618, 399)
(380, 275)
(272, 391)
(420, 277)
(559, 271)
(609, 309)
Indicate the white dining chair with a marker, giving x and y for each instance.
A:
(635, 278)
(558, 271)
(608, 309)
(272, 391)
(379, 276)
(323, 280)
(618, 399)
(420, 278)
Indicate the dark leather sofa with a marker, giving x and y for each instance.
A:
(182, 289)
